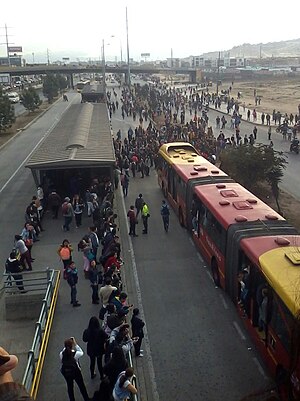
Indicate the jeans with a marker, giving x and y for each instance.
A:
(145, 224)
(73, 294)
(26, 256)
(68, 220)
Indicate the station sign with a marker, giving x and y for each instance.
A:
(15, 49)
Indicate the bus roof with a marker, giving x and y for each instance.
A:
(231, 203)
(187, 162)
(180, 153)
(279, 259)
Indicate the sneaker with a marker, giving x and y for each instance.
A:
(140, 356)
(141, 350)
(77, 304)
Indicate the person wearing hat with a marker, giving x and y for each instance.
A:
(68, 213)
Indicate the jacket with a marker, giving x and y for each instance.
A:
(95, 340)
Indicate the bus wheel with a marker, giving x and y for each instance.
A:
(181, 221)
(215, 272)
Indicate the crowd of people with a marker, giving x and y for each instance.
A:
(164, 115)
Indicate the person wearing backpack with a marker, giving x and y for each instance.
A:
(165, 214)
(70, 368)
(71, 275)
(65, 253)
(68, 213)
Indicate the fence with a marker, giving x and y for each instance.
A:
(37, 281)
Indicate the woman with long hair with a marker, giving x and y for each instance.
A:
(70, 368)
(95, 337)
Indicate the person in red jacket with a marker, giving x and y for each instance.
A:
(132, 221)
(112, 260)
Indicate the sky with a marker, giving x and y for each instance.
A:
(191, 27)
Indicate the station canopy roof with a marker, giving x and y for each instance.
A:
(82, 138)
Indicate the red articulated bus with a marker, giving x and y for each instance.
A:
(252, 251)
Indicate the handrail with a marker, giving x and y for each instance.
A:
(36, 355)
(26, 279)
(133, 397)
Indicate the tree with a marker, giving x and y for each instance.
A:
(30, 99)
(50, 87)
(7, 112)
(250, 165)
(62, 81)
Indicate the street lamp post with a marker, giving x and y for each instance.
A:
(103, 66)
(128, 63)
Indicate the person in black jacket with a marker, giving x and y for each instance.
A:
(137, 325)
(115, 366)
(95, 337)
(13, 266)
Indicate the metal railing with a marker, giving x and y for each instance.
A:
(133, 397)
(37, 280)
(36, 355)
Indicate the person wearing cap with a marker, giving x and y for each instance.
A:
(68, 213)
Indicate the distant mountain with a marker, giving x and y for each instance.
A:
(286, 48)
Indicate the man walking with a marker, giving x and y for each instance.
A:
(68, 213)
(165, 214)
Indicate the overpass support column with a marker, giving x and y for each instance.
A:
(70, 81)
(193, 77)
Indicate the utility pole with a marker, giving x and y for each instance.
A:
(7, 50)
(103, 67)
(172, 58)
(7, 47)
(48, 57)
(127, 50)
(218, 73)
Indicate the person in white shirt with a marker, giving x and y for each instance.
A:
(70, 368)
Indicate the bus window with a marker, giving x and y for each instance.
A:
(213, 228)
(280, 320)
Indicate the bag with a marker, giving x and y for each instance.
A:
(65, 253)
(65, 208)
(28, 242)
(90, 256)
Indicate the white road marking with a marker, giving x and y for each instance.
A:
(57, 119)
(200, 257)
(238, 329)
(146, 341)
(259, 367)
(26, 159)
(191, 241)
(209, 275)
(223, 301)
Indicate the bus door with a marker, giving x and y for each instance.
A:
(172, 185)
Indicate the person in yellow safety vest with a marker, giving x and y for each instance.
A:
(145, 217)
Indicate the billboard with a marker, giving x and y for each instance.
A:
(145, 54)
(15, 49)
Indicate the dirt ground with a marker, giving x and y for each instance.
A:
(281, 94)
